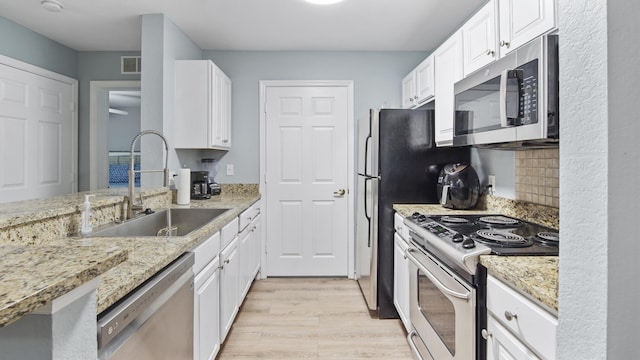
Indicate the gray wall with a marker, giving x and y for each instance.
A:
(377, 82)
(162, 43)
(623, 287)
(25, 45)
(94, 66)
(122, 128)
(500, 163)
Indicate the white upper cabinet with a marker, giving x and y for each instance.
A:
(449, 69)
(202, 117)
(409, 90)
(479, 38)
(418, 85)
(524, 20)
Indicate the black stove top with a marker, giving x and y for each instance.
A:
(502, 234)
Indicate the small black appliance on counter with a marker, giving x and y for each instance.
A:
(202, 187)
(458, 186)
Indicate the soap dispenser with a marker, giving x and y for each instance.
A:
(86, 225)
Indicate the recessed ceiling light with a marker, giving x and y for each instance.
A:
(323, 2)
(52, 5)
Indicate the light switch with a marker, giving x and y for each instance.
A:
(229, 169)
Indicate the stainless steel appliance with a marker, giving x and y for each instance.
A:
(458, 186)
(200, 185)
(397, 163)
(448, 287)
(155, 321)
(211, 166)
(512, 102)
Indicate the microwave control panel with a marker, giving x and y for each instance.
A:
(529, 93)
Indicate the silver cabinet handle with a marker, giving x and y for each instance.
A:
(509, 315)
(486, 334)
(490, 52)
(339, 193)
(505, 44)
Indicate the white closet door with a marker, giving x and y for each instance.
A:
(37, 137)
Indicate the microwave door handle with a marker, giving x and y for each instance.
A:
(503, 98)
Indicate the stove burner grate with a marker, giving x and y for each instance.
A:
(501, 238)
(454, 220)
(499, 220)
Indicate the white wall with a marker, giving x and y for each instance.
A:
(600, 163)
(122, 128)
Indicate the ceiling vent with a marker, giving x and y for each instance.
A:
(130, 64)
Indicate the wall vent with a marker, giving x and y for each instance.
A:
(130, 64)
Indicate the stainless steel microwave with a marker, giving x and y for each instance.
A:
(512, 102)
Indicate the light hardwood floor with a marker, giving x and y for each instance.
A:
(311, 318)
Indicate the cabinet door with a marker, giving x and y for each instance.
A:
(206, 313)
(257, 245)
(424, 81)
(448, 66)
(409, 90)
(245, 257)
(221, 110)
(524, 20)
(401, 281)
(479, 38)
(502, 345)
(228, 287)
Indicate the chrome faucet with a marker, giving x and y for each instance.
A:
(130, 200)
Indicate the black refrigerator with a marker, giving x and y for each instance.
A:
(397, 162)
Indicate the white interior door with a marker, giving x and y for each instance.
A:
(37, 136)
(307, 178)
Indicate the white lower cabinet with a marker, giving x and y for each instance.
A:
(517, 328)
(206, 312)
(229, 281)
(401, 273)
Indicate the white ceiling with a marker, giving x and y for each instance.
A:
(353, 25)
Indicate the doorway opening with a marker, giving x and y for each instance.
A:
(114, 122)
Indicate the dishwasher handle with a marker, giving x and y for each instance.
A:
(114, 321)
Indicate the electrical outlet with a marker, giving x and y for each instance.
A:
(229, 169)
(492, 183)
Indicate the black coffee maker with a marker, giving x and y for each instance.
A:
(200, 185)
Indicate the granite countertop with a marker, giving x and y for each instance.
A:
(31, 277)
(536, 277)
(148, 255)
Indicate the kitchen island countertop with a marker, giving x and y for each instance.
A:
(33, 275)
(536, 277)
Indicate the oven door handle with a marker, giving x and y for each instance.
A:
(412, 345)
(434, 279)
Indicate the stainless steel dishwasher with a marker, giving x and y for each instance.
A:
(155, 321)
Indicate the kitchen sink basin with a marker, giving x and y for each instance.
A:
(169, 222)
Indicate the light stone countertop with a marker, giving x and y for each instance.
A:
(536, 277)
(148, 255)
(63, 264)
(31, 277)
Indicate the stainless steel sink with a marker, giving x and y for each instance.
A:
(169, 222)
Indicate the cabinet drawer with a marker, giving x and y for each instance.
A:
(533, 325)
(205, 252)
(229, 232)
(400, 227)
(247, 216)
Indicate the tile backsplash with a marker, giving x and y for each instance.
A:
(537, 176)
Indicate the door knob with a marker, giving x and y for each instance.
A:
(339, 193)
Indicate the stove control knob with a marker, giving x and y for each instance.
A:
(422, 218)
(468, 243)
(457, 237)
(415, 215)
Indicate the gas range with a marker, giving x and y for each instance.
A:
(459, 240)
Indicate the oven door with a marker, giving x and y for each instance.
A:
(442, 310)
